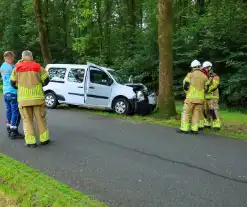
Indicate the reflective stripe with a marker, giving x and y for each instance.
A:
(44, 76)
(194, 93)
(185, 126)
(213, 86)
(30, 139)
(201, 123)
(30, 93)
(194, 127)
(207, 123)
(186, 79)
(44, 136)
(216, 124)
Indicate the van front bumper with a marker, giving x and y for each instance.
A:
(142, 107)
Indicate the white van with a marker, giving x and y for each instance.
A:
(95, 86)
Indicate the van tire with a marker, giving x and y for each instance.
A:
(121, 106)
(51, 100)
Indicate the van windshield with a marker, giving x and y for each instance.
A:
(118, 76)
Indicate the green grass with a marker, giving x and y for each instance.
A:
(27, 187)
(234, 122)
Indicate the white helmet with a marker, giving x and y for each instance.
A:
(207, 64)
(195, 63)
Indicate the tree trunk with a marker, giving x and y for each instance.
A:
(65, 22)
(201, 6)
(107, 30)
(166, 102)
(99, 21)
(43, 35)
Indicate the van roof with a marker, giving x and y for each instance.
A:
(73, 65)
(67, 65)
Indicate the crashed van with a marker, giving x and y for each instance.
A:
(94, 86)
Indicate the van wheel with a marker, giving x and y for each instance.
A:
(51, 100)
(121, 106)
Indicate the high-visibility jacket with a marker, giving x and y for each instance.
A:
(29, 77)
(213, 91)
(197, 82)
(186, 82)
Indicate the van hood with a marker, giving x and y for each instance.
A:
(136, 86)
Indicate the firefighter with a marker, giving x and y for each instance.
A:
(186, 86)
(195, 87)
(202, 112)
(211, 112)
(29, 78)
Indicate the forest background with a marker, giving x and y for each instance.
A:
(123, 35)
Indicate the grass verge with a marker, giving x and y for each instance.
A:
(23, 186)
(234, 121)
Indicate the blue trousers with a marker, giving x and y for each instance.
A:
(13, 116)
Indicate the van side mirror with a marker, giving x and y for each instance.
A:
(131, 79)
(109, 82)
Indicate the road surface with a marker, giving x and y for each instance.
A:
(130, 164)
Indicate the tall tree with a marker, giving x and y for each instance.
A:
(43, 34)
(166, 100)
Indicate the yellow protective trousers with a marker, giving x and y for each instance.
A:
(189, 108)
(201, 120)
(212, 114)
(27, 114)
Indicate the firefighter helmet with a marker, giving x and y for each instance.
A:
(195, 64)
(207, 64)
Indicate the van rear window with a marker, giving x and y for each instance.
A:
(57, 73)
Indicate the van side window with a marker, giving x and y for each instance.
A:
(98, 77)
(57, 73)
(76, 75)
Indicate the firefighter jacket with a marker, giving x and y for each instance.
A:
(29, 78)
(186, 82)
(197, 81)
(213, 92)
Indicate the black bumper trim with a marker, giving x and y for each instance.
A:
(141, 107)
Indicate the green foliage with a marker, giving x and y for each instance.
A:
(123, 36)
(219, 36)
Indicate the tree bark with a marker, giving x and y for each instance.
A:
(43, 34)
(107, 30)
(166, 102)
(99, 21)
(201, 6)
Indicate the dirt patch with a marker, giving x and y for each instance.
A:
(6, 201)
(242, 129)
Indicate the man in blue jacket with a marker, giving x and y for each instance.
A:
(10, 97)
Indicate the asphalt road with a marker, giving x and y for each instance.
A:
(125, 163)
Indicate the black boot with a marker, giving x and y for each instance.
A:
(181, 131)
(216, 129)
(45, 143)
(200, 129)
(193, 132)
(32, 145)
(8, 130)
(14, 134)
